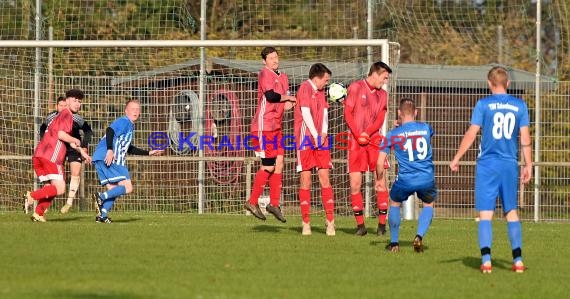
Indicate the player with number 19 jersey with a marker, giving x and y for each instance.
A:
(411, 143)
(500, 116)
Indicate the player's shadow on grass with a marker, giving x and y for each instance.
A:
(475, 262)
(67, 219)
(268, 228)
(347, 230)
(126, 220)
(100, 295)
(314, 229)
(382, 242)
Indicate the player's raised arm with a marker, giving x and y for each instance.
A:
(87, 134)
(141, 152)
(82, 151)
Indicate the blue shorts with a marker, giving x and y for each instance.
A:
(426, 192)
(111, 174)
(496, 179)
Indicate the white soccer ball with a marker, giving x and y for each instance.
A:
(263, 202)
(336, 92)
(187, 107)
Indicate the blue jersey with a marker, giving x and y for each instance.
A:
(123, 128)
(500, 117)
(411, 143)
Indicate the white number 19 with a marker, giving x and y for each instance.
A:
(421, 147)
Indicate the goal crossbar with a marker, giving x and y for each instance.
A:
(186, 43)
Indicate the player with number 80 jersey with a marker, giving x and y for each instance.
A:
(500, 116)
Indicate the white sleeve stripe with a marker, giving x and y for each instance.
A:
(308, 119)
(325, 121)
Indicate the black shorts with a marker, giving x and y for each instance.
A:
(73, 156)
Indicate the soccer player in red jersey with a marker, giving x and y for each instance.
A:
(273, 99)
(313, 148)
(82, 131)
(49, 156)
(364, 112)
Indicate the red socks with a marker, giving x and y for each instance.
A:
(43, 205)
(47, 191)
(305, 203)
(357, 207)
(382, 203)
(261, 178)
(328, 202)
(44, 196)
(275, 189)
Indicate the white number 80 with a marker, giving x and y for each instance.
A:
(504, 125)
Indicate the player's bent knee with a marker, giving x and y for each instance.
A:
(354, 189)
(59, 187)
(129, 189)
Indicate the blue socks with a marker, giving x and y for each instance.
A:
(107, 205)
(485, 239)
(425, 220)
(515, 236)
(113, 193)
(109, 198)
(394, 221)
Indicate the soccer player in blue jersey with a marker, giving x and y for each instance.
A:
(501, 117)
(109, 159)
(411, 142)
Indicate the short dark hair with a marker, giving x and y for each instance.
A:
(75, 93)
(318, 70)
(379, 67)
(60, 99)
(266, 51)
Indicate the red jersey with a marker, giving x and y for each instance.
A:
(365, 108)
(309, 96)
(50, 147)
(268, 116)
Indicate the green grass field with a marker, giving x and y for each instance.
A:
(197, 256)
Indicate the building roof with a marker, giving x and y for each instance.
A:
(345, 71)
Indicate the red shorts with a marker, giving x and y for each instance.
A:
(311, 158)
(268, 144)
(364, 158)
(46, 170)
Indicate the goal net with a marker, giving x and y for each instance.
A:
(209, 172)
(167, 82)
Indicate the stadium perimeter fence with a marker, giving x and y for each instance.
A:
(221, 93)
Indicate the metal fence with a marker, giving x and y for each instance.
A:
(170, 183)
